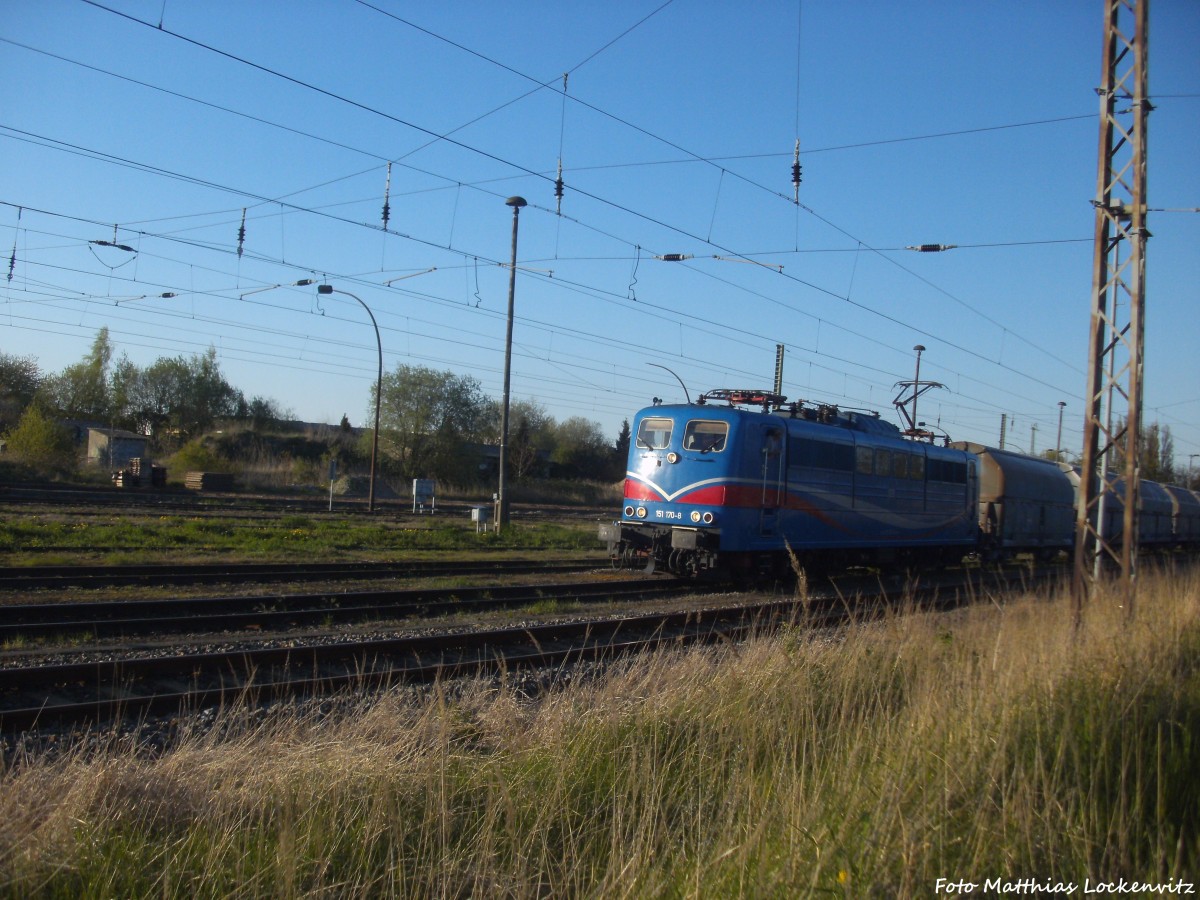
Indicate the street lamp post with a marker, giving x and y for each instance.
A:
(501, 496)
(1058, 443)
(330, 289)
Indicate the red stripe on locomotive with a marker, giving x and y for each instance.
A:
(713, 495)
(639, 490)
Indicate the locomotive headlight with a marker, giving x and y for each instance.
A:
(695, 516)
(708, 518)
(641, 512)
(629, 512)
(672, 457)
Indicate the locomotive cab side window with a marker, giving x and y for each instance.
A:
(865, 457)
(916, 468)
(883, 462)
(948, 471)
(654, 433)
(705, 437)
(810, 454)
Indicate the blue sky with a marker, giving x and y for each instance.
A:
(927, 122)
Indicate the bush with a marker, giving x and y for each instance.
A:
(41, 443)
(197, 456)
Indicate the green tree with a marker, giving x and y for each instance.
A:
(160, 392)
(182, 396)
(41, 443)
(1156, 453)
(211, 396)
(124, 387)
(530, 437)
(80, 391)
(581, 450)
(427, 418)
(20, 379)
(621, 450)
(264, 412)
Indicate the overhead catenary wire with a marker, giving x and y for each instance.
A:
(603, 369)
(556, 327)
(722, 329)
(667, 256)
(564, 100)
(701, 158)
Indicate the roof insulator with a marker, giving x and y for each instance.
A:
(558, 186)
(12, 260)
(387, 192)
(103, 243)
(796, 169)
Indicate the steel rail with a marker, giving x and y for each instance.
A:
(78, 692)
(94, 691)
(205, 615)
(108, 499)
(27, 578)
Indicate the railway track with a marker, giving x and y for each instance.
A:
(107, 501)
(81, 692)
(74, 693)
(26, 578)
(74, 622)
(110, 499)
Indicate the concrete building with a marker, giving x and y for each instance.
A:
(114, 448)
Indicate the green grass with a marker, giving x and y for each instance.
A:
(993, 742)
(32, 540)
(549, 606)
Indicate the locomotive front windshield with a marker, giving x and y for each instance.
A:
(707, 437)
(654, 433)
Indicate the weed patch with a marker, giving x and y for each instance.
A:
(985, 743)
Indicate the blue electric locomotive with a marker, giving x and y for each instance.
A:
(711, 486)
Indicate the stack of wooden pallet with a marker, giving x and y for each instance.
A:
(208, 481)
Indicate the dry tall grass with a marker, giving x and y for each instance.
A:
(987, 743)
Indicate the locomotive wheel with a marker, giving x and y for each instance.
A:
(673, 562)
